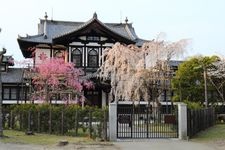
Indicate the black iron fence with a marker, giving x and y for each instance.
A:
(65, 120)
(145, 121)
(198, 120)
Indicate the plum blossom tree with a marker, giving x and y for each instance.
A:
(55, 76)
(138, 73)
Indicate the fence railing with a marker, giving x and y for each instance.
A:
(145, 121)
(65, 120)
(198, 120)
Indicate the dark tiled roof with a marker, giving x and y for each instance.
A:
(13, 75)
(140, 42)
(175, 62)
(120, 29)
(59, 28)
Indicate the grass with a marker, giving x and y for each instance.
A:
(158, 127)
(12, 136)
(214, 133)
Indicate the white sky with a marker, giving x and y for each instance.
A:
(203, 21)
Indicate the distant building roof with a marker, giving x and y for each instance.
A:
(175, 62)
(13, 75)
(8, 60)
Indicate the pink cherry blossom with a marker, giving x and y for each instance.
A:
(55, 76)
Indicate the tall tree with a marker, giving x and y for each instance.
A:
(190, 81)
(136, 73)
(55, 76)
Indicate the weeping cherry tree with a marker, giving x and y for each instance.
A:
(139, 73)
(216, 75)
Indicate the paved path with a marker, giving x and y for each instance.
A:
(163, 144)
(157, 144)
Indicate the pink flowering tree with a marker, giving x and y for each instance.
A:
(55, 76)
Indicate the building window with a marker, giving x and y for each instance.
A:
(60, 54)
(92, 58)
(77, 57)
(93, 38)
(9, 93)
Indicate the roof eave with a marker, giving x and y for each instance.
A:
(24, 45)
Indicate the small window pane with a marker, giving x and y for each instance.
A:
(13, 93)
(93, 38)
(6, 93)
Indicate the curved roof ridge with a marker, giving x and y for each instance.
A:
(86, 24)
(129, 32)
(80, 27)
(61, 21)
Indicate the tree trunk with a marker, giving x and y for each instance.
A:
(39, 121)
(1, 115)
(11, 119)
(76, 122)
(62, 122)
(50, 120)
(90, 123)
(105, 125)
(46, 94)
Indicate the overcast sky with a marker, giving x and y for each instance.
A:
(203, 21)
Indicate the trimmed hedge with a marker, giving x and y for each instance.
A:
(57, 119)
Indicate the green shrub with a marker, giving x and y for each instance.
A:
(193, 105)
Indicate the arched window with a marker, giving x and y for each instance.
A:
(92, 58)
(77, 57)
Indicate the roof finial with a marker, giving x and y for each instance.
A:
(45, 26)
(126, 20)
(95, 15)
(46, 16)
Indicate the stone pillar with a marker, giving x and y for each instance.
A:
(182, 121)
(112, 121)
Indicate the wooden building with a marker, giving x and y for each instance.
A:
(80, 42)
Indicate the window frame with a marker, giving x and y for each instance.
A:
(9, 97)
(91, 65)
(73, 54)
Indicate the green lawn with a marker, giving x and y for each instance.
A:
(157, 127)
(214, 133)
(12, 136)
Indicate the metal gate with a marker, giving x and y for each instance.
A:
(145, 121)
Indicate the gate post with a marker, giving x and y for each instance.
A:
(182, 121)
(112, 121)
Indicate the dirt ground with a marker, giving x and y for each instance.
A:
(10, 146)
